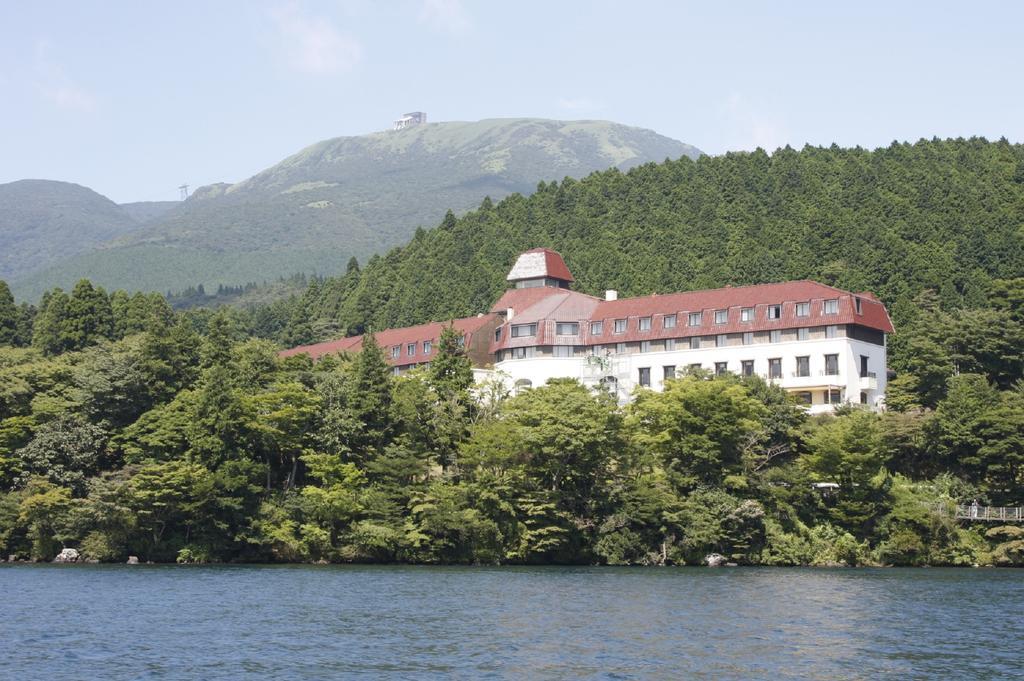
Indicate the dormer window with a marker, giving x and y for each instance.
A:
(694, 319)
(830, 306)
(396, 351)
(596, 328)
(567, 329)
(410, 350)
(668, 322)
(644, 324)
(774, 312)
(497, 334)
(857, 306)
(803, 309)
(747, 314)
(620, 326)
(524, 330)
(721, 316)
(428, 346)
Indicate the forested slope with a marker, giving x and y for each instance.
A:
(944, 215)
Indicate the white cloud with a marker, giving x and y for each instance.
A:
(313, 44)
(55, 85)
(753, 128)
(445, 15)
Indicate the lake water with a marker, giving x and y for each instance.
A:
(313, 622)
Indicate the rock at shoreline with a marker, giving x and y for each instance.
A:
(714, 560)
(67, 556)
(133, 560)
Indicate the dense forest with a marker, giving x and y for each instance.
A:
(129, 428)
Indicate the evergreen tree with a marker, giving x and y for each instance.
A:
(88, 318)
(370, 398)
(9, 317)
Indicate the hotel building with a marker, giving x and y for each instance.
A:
(825, 345)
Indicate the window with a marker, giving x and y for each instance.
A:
(668, 371)
(695, 342)
(721, 316)
(721, 368)
(803, 366)
(693, 367)
(805, 397)
(775, 336)
(831, 365)
(410, 350)
(747, 367)
(620, 348)
(775, 367)
(803, 333)
(396, 371)
(694, 319)
(497, 334)
(524, 330)
(396, 351)
(721, 340)
(462, 341)
(863, 397)
(645, 346)
(803, 309)
(620, 326)
(747, 314)
(596, 328)
(670, 344)
(427, 347)
(567, 329)
(597, 350)
(774, 312)
(644, 324)
(645, 377)
(748, 337)
(830, 306)
(521, 353)
(864, 373)
(521, 385)
(562, 351)
(834, 397)
(668, 322)
(856, 305)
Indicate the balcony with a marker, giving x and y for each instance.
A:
(869, 381)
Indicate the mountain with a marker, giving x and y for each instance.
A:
(145, 211)
(42, 221)
(940, 215)
(351, 196)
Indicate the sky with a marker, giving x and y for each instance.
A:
(133, 99)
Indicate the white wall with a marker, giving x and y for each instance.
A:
(625, 367)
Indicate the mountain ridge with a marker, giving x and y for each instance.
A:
(349, 196)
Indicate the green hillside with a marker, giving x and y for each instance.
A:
(941, 215)
(42, 221)
(350, 196)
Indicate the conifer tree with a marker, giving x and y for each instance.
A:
(9, 316)
(371, 396)
(89, 316)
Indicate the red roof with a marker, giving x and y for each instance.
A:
(759, 297)
(400, 338)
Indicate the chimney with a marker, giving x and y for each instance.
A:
(611, 295)
(509, 314)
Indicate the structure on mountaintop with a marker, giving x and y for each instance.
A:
(410, 119)
(826, 345)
